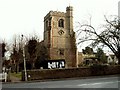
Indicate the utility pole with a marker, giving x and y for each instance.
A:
(25, 71)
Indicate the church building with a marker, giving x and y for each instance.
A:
(59, 37)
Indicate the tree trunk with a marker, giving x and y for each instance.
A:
(118, 59)
(17, 68)
(32, 63)
(118, 56)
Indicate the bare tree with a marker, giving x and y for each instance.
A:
(109, 35)
(17, 51)
(15, 55)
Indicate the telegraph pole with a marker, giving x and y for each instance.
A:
(25, 71)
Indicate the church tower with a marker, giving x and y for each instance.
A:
(59, 37)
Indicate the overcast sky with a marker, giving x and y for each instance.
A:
(27, 16)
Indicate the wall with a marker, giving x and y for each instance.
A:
(71, 72)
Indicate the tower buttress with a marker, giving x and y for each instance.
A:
(69, 19)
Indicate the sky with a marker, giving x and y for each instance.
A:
(26, 17)
(119, 9)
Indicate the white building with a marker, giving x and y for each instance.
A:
(112, 59)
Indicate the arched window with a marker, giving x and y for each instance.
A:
(61, 23)
(61, 51)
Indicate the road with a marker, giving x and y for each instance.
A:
(91, 82)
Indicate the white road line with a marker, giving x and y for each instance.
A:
(97, 83)
(108, 78)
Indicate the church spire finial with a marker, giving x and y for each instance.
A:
(69, 3)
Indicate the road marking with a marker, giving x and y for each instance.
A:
(108, 78)
(97, 83)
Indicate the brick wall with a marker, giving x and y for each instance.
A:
(71, 72)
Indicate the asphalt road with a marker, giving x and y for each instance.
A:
(112, 82)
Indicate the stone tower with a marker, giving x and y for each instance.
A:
(59, 37)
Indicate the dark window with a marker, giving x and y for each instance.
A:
(46, 25)
(49, 24)
(61, 23)
(61, 51)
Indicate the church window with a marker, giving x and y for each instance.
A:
(46, 25)
(61, 23)
(61, 51)
(49, 24)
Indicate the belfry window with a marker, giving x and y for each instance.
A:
(61, 23)
(46, 25)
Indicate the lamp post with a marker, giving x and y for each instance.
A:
(23, 46)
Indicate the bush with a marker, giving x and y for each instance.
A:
(98, 69)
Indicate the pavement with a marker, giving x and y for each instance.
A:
(14, 79)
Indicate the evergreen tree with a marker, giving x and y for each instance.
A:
(32, 43)
(87, 50)
(3, 49)
(100, 55)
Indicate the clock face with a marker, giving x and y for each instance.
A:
(61, 32)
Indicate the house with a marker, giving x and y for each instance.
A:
(111, 59)
(86, 59)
